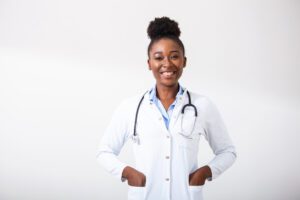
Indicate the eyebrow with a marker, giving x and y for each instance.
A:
(173, 51)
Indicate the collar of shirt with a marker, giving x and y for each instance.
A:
(166, 114)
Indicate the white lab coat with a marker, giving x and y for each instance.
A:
(164, 156)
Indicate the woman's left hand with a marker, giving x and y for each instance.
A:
(199, 176)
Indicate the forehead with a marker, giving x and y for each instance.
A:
(165, 45)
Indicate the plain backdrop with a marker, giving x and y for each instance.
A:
(65, 65)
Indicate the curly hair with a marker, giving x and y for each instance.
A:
(164, 27)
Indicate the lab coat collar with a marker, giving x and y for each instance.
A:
(153, 97)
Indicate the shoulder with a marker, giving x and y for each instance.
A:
(204, 104)
(129, 104)
(200, 99)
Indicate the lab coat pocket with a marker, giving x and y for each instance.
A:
(196, 192)
(136, 193)
(188, 144)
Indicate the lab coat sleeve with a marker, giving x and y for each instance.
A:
(114, 138)
(218, 138)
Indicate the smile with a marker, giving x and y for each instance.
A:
(168, 74)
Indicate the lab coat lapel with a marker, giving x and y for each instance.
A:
(177, 110)
(155, 114)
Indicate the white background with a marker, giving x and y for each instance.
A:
(65, 65)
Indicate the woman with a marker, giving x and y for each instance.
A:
(165, 125)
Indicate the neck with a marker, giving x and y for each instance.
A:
(167, 93)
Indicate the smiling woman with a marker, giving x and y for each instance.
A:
(165, 52)
(166, 60)
(165, 125)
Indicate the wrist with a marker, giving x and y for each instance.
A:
(206, 172)
(126, 172)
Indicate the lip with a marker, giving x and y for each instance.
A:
(168, 74)
(170, 71)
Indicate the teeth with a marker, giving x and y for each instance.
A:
(168, 73)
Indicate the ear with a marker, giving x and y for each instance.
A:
(184, 62)
(149, 66)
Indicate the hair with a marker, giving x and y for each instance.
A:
(164, 27)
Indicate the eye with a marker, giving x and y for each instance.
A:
(158, 58)
(174, 57)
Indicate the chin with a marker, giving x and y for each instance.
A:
(169, 83)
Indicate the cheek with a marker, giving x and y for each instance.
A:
(155, 73)
(153, 66)
(153, 69)
(180, 72)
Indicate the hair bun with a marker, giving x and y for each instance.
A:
(163, 26)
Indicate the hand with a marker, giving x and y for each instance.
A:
(199, 176)
(134, 177)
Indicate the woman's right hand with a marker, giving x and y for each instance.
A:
(134, 177)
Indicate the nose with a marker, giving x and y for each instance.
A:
(167, 62)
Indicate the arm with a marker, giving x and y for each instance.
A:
(220, 142)
(217, 136)
(112, 142)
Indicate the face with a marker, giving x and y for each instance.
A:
(166, 61)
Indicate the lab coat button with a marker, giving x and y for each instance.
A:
(167, 157)
(167, 179)
(168, 137)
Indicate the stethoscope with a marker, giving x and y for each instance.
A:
(187, 135)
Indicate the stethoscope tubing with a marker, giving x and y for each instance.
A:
(135, 137)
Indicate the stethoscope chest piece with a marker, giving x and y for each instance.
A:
(135, 139)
